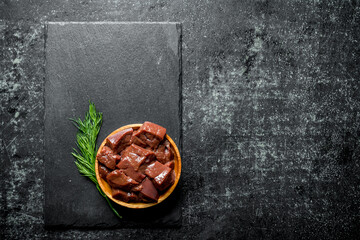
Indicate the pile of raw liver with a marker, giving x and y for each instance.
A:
(138, 165)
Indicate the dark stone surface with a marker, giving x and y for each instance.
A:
(270, 116)
(131, 71)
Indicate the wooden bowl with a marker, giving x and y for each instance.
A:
(107, 189)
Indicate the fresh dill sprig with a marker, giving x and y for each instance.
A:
(86, 142)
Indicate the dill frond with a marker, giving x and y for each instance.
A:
(85, 156)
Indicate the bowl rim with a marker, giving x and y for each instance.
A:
(140, 205)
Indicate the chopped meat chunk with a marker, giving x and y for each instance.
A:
(120, 194)
(134, 197)
(161, 181)
(129, 170)
(118, 179)
(124, 196)
(138, 165)
(137, 141)
(160, 174)
(104, 171)
(137, 188)
(141, 151)
(155, 169)
(164, 153)
(137, 155)
(149, 192)
(170, 164)
(154, 129)
(120, 140)
(144, 166)
(171, 179)
(151, 134)
(108, 157)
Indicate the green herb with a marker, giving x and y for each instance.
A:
(86, 143)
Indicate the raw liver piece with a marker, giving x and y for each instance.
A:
(163, 153)
(137, 155)
(162, 180)
(134, 197)
(144, 166)
(129, 170)
(137, 141)
(137, 188)
(118, 179)
(103, 171)
(120, 194)
(141, 151)
(170, 164)
(120, 140)
(108, 157)
(171, 179)
(124, 196)
(151, 134)
(154, 129)
(155, 169)
(160, 174)
(135, 160)
(149, 192)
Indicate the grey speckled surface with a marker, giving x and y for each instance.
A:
(270, 116)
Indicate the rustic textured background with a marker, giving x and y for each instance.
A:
(270, 116)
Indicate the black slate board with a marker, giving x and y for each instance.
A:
(132, 72)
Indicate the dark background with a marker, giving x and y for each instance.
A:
(270, 116)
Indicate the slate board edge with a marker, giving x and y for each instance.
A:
(110, 22)
(44, 119)
(116, 226)
(179, 28)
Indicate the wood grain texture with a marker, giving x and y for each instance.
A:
(107, 189)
